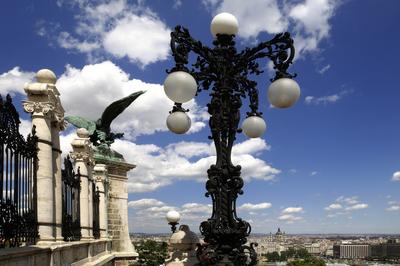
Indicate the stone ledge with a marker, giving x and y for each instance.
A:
(61, 253)
(9, 253)
(106, 258)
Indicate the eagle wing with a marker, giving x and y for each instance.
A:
(116, 108)
(80, 122)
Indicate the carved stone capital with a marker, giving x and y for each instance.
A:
(98, 178)
(38, 107)
(83, 156)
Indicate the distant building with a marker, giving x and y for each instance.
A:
(390, 250)
(329, 252)
(269, 247)
(279, 236)
(313, 248)
(273, 243)
(352, 251)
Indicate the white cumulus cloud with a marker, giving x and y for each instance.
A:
(348, 200)
(194, 210)
(289, 218)
(396, 176)
(309, 20)
(333, 206)
(393, 206)
(293, 210)
(13, 81)
(161, 166)
(118, 28)
(254, 207)
(149, 214)
(357, 207)
(143, 203)
(143, 39)
(345, 205)
(291, 214)
(254, 16)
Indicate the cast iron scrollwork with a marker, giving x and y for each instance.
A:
(71, 187)
(18, 163)
(226, 71)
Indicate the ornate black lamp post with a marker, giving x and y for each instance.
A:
(225, 71)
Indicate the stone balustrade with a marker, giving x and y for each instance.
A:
(109, 174)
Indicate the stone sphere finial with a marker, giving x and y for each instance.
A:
(46, 76)
(82, 133)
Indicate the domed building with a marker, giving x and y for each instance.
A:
(279, 236)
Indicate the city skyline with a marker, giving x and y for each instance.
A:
(330, 164)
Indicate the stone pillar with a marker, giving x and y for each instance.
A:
(117, 206)
(83, 157)
(100, 176)
(41, 103)
(57, 125)
(182, 247)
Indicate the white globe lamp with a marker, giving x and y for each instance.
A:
(178, 122)
(173, 218)
(224, 23)
(254, 126)
(180, 86)
(283, 92)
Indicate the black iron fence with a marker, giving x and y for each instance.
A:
(96, 214)
(71, 186)
(18, 163)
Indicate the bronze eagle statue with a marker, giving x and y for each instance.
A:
(99, 130)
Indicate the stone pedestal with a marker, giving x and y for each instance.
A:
(117, 205)
(182, 248)
(83, 157)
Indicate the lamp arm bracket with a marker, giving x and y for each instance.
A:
(182, 43)
(280, 50)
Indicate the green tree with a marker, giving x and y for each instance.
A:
(274, 256)
(291, 252)
(284, 256)
(302, 253)
(151, 253)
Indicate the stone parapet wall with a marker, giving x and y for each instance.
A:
(109, 176)
(114, 223)
(63, 254)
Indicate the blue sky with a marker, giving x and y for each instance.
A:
(330, 164)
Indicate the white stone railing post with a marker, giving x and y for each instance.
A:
(82, 154)
(100, 175)
(42, 103)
